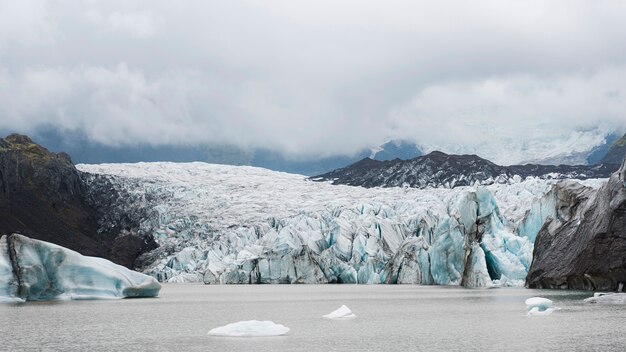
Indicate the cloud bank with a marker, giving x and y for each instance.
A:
(505, 79)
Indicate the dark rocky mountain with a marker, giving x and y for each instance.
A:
(616, 153)
(43, 196)
(438, 169)
(584, 246)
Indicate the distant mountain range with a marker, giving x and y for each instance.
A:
(438, 169)
(83, 150)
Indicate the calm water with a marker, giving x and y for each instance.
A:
(389, 318)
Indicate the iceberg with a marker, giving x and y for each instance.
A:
(32, 270)
(539, 303)
(607, 298)
(536, 312)
(250, 328)
(342, 313)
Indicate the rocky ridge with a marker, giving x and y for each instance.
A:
(438, 169)
(43, 196)
(584, 245)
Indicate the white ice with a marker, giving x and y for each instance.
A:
(243, 224)
(250, 328)
(538, 302)
(342, 313)
(607, 298)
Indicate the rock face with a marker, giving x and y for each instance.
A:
(438, 169)
(32, 270)
(584, 245)
(43, 196)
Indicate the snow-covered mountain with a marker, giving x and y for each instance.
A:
(227, 224)
(438, 169)
(616, 152)
(575, 147)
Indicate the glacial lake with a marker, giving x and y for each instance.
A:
(389, 318)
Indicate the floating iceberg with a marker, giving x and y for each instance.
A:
(35, 270)
(250, 328)
(607, 298)
(343, 313)
(540, 303)
(536, 312)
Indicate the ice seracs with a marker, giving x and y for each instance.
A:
(35, 270)
(342, 313)
(250, 328)
(228, 224)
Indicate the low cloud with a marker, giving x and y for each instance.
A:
(315, 79)
(515, 118)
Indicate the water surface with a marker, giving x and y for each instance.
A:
(389, 318)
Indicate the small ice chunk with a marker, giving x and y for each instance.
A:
(250, 328)
(343, 313)
(538, 302)
(607, 298)
(536, 312)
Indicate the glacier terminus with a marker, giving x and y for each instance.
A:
(221, 224)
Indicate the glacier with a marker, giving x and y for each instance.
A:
(33, 270)
(222, 224)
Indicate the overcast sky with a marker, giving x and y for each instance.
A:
(317, 77)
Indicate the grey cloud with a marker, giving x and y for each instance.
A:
(317, 78)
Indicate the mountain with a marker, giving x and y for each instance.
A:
(616, 152)
(584, 245)
(85, 151)
(43, 196)
(438, 169)
(598, 153)
(198, 222)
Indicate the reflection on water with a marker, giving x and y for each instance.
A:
(389, 318)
